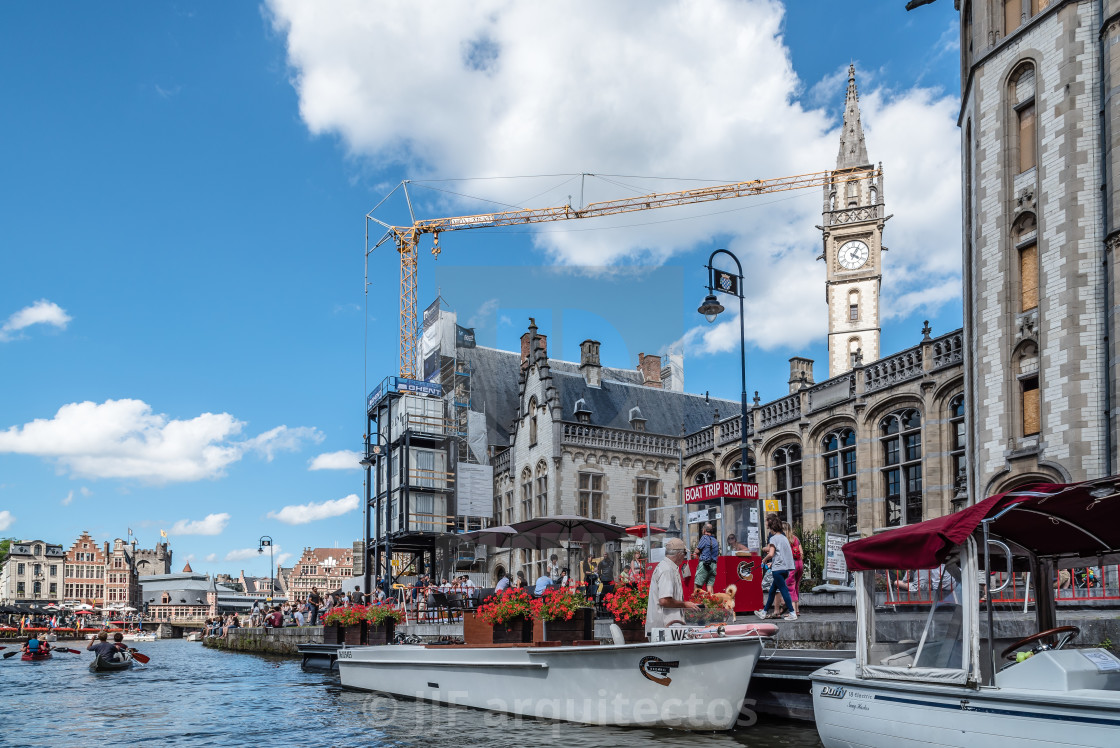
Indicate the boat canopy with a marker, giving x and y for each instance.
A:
(1069, 522)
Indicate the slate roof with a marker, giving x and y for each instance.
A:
(494, 387)
(663, 410)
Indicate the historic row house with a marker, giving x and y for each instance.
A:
(590, 440)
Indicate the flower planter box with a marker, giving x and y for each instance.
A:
(515, 631)
(633, 632)
(382, 634)
(354, 635)
(333, 635)
(581, 627)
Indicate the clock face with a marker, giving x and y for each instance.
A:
(852, 255)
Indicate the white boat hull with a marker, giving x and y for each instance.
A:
(139, 637)
(694, 685)
(853, 713)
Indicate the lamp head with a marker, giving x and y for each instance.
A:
(711, 308)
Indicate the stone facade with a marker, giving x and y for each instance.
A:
(890, 433)
(32, 573)
(1039, 224)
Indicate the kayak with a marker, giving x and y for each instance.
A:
(103, 665)
(35, 656)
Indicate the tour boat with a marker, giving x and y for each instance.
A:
(111, 665)
(949, 689)
(194, 636)
(148, 636)
(35, 656)
(687, 678)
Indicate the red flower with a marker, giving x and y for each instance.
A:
(559, 603)
(628, 602)
(505, 607)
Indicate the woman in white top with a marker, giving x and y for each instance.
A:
(780, 556)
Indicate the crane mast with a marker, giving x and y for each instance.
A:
(407, 238)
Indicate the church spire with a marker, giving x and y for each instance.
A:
(853, 151)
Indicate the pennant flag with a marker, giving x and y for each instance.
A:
(163, 533)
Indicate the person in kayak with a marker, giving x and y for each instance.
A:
(34, 646)
(103, 648)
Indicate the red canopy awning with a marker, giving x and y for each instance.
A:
(1075, 520)
(640, 530)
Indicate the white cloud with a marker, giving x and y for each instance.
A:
(301, 514)
(125, 439)
(283, 558)
(244, 554)
(213, 524)
(700, 90)
(211, 557)
(69, 497)
(483, 314)
(343, 460)
(6, 520)
(42, 312)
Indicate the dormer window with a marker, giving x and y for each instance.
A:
(636, 421)
(582, 412)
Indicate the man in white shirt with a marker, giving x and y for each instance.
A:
(666, 591)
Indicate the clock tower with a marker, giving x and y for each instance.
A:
(853, 245)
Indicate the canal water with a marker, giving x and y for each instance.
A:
(188, 695)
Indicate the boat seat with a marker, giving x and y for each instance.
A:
(616, 634)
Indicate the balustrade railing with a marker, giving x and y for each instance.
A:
(731, 430)
(701, 441)
(889, 371)
(781, 411)
(598, 437)
(948, 349)
(500, 462)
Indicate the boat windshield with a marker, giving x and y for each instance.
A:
(914, 623)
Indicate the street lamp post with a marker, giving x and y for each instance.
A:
(730, 283)
(267, 541)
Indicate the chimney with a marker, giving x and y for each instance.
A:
(589, 365)
(800, 372)
(527, 345)
(650, 366)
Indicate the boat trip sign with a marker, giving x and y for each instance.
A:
(720, 489)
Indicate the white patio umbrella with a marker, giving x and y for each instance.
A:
(84, 606)
(547, 532)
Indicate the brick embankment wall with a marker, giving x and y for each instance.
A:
(267, 641)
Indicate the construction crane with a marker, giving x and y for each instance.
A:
(407, 238)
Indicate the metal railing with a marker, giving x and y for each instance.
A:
(1073, 587)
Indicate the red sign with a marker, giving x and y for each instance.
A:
(720, 489)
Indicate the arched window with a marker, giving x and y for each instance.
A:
(1022, 107)
(1024, 236)
(838, 450)
(901, 439)
(956, 434)
(704, 476)
(1030, 405)
(737, 470)
(853, 306)
(532, 421)
(855, 351)
(787, 476)
(542, 489)
(526, 494)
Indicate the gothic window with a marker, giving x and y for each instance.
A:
(526, 494)
(787, 475)
(591, 495)
(854, 351)
(1026, 372)
(508, 519)
(542, 489)
(838, 450)
(853, 306)
(532, 421)
(737, 470)
(648, 489)
(852, 190)
(956, 434)
(901, 440)
(499, 511)
(1031, 416)
(1022, 105)
(704, 476)
(1024, 235)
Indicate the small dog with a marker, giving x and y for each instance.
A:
(727, 597)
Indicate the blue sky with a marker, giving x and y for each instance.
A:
(182, 224)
